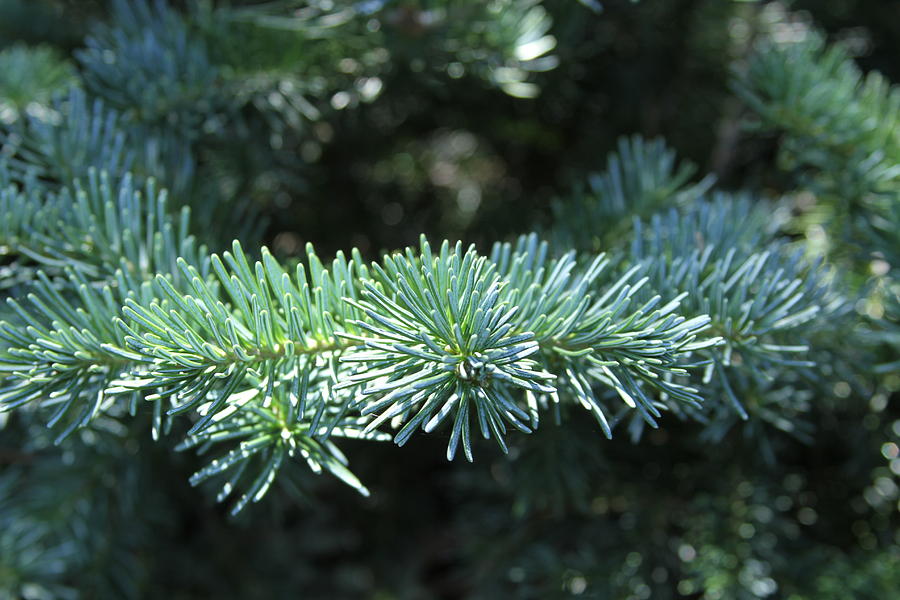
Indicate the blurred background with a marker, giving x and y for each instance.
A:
(364, 124)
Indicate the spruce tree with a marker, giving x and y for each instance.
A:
(670, 380)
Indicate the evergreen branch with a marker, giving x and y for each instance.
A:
(760, 303)
(61, 355)
(425, 330)
(841, 128)
(62, 144)
(641, 177)
(267, 434)
(117, 238)
(77, 133)
(838, 121)
(101, 229)
(412, 340)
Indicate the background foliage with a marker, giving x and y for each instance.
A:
(773, 205)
